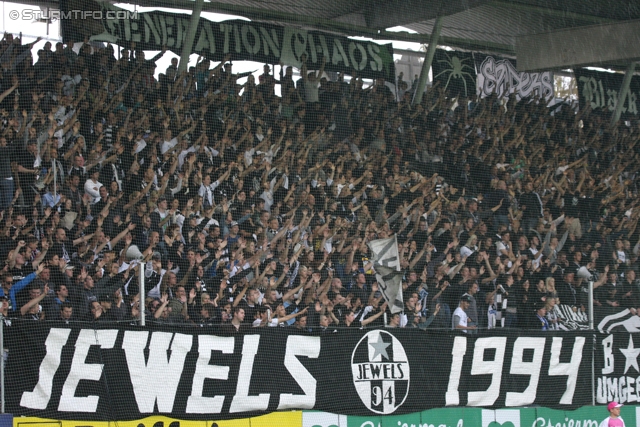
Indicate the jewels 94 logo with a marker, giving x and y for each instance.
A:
(380, 371)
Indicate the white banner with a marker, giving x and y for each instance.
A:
(388, 275)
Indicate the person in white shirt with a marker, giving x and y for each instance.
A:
(470, 247)
(459, 319)
(613, 420)
(312, 80)
(504, 247)
(168, 141)
(92, 185)
(207, 187)
(264, 316)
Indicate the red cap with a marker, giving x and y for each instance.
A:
(613, 405)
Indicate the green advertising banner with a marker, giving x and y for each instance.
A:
(588, 416)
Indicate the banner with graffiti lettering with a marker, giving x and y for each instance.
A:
(501, 76)
(240, 40)
(116, 372)
(599, 91)
(455, 71)
(617, 371)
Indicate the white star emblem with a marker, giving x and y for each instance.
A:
(380, 348)
(631, 355)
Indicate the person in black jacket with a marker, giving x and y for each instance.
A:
(499, 198)
(531, 205)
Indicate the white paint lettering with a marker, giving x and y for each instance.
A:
(197, 403)
(485, 367)
(607, 349)
(452, 397)
(39, 397)
(270, 41)
(242, 402)
(570, 370)
(300, 346)
(85, 371)
(144, 373)
(520, 367)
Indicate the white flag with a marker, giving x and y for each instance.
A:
(387, 265)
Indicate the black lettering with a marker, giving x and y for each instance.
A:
(375, 371)
(399, 366)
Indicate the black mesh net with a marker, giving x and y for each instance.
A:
(329, 190)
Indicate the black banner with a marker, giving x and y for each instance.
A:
(130, 372)
(617, 373)
(456, 72)
(501, 76)
(616, 368)
(599, 90)
(242, 40)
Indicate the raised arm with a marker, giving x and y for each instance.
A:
(292, 315)
(370, 319)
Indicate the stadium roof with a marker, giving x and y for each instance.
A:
(483, 25)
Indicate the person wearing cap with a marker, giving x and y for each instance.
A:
(472, 311)
(233, 235)
(613, 420)
(459, 319)
(539, 319)
(106, 301)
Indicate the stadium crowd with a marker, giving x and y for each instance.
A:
(251, 209)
